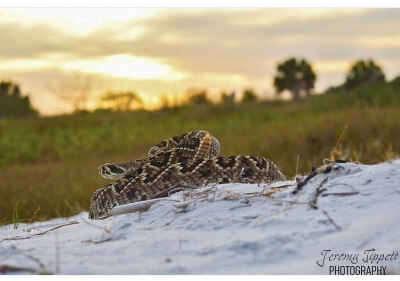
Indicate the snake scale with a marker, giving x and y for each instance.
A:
(190, 159)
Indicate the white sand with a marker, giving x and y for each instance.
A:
(281, 234)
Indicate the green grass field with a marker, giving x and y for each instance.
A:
(48, 166)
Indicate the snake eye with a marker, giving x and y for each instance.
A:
(116, 170)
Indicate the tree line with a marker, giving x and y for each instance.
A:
(297, 76)
(294, 75)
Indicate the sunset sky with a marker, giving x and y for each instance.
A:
(166, 51)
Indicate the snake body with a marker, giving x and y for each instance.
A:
(189, 159)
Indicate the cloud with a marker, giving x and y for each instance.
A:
(213, 40)
(20, 41)
(215, 48)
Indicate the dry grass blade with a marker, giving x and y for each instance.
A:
(202, 194)
(183, 205)
(230, 195)
(354, 192)
(106, 230)
(297, 164)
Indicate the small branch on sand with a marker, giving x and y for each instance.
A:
(106, 230)
(97, 242)
(10, 268)
(41, 271)
(321, 169)
(176, 188)
(140, 206)
(240, 206)
(104, 239)
(318, 191)
(331, 220)
(37, 234)
(181, 206)
(341, 193)
(354, 192)
(35, 260)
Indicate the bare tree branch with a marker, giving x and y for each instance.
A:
(74, 89)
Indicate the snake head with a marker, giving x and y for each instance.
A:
(112, 171)
(117, 171)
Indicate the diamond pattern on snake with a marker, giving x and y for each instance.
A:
(190, 159)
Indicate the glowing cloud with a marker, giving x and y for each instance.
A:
(125, 66)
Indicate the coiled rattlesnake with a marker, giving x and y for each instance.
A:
(188, 159)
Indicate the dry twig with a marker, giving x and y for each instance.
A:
(354, 192)
(106, 230)
(37, 234)
(318, 191)
(331, 220)
(10, 268)
(97, 242)
(183, 205)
